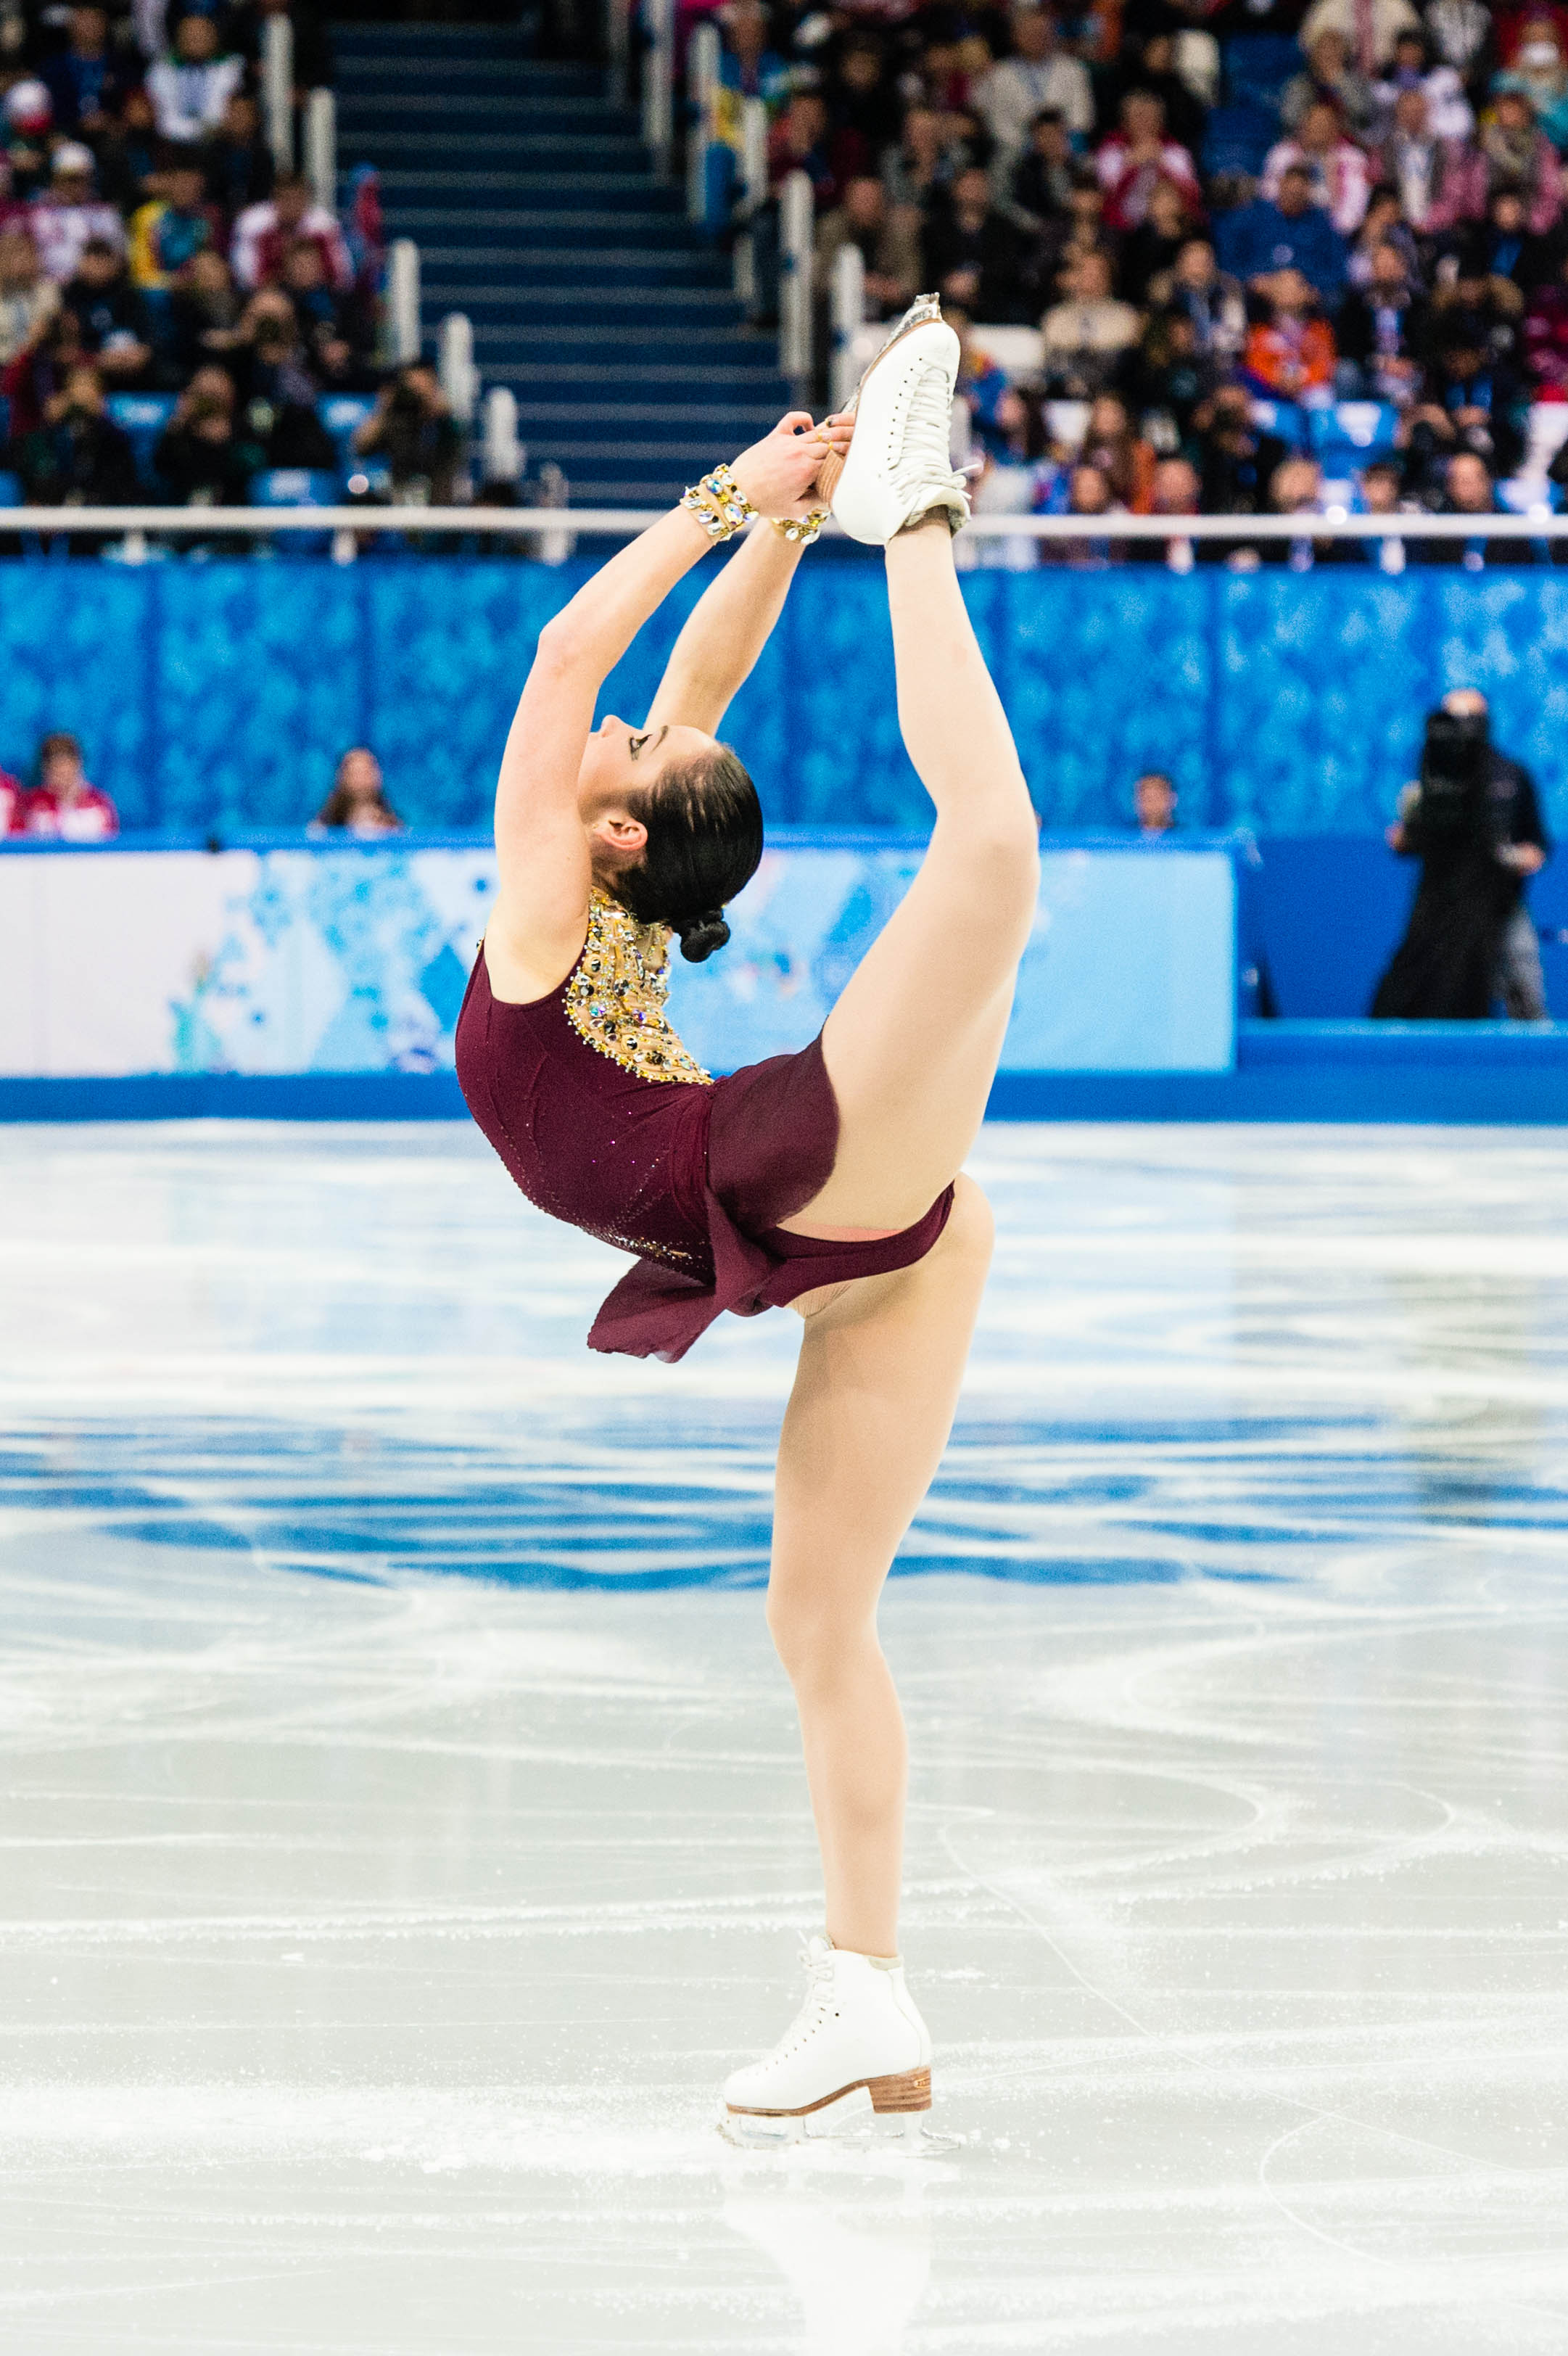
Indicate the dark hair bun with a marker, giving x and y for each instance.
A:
(700, 935)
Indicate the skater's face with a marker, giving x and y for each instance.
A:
(619, 766)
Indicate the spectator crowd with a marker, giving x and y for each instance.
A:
(64, 806)
(148, 246)
(1307, 257)
(1298, 256)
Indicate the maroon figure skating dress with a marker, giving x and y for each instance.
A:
(605, 1122)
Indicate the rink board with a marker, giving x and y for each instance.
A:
(280, 964)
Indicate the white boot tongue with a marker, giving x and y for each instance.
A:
(924, 480)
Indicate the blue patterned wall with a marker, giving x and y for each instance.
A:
(219, 694)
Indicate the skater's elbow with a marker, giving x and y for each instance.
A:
(562, 646)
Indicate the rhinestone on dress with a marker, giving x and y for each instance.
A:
(615, 998)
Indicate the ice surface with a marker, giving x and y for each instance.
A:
(373, 1937)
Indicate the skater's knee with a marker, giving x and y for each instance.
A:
(816, 1639)
(801, 1631)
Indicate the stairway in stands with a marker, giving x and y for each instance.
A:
(530, 198)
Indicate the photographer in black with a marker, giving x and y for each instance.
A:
(76, 456)
(412, 430)
(1474, 823)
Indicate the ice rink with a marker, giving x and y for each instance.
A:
(403, 1831)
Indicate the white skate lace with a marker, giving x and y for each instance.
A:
(923, 463)
(818, 2001)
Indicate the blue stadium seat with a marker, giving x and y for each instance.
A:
(11, 491)
(342, 414)
(1523, 496)
(1256, 68)
(1351, 433)
(294, 486)
(143, 417)
(1238, 138)
(1286, 418)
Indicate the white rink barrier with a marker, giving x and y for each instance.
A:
(624, 523)
(322, 957)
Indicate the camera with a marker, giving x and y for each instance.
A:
(1453, 775)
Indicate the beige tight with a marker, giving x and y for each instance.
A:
(911, 1048)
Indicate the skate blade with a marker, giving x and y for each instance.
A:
(851, 2119)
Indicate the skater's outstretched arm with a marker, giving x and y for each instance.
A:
(541, 841)
(727, 630)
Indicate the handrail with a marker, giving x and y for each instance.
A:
(658, 83)
(503, 451)
(754, 152)
(454, 365)
(619, 43)
(407, 331)
(320, 146)
(796, 234)
(278, 89)
(624, 523)
(702, 67)
(753, 196)
(848, 316)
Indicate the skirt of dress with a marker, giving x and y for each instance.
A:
(771, 1140)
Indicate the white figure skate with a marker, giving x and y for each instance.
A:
(899, 467)
(857, 2035)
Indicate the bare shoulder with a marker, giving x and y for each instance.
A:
(525, 966)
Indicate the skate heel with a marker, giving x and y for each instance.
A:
(907, 2090)
(922, 312)
(858, 2048)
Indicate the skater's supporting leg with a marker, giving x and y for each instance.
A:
(868, 1420)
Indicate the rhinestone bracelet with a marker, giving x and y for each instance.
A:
(804, 528)
(719, 503)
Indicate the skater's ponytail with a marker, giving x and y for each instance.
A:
(705, 844)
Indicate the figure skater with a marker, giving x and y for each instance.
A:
(828, 1181)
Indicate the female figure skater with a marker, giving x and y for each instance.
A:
(829, 1180)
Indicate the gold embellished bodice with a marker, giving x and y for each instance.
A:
(616, 997)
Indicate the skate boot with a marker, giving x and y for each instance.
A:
(858, 2033)
(899, 467)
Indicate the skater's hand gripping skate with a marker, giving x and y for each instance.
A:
(778, 473)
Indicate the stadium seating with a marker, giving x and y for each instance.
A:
(294, 486)
(590, 295)
(1350, 434)
(342, 414)
(141, 418)
(1238, 138)
(1256, 68)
